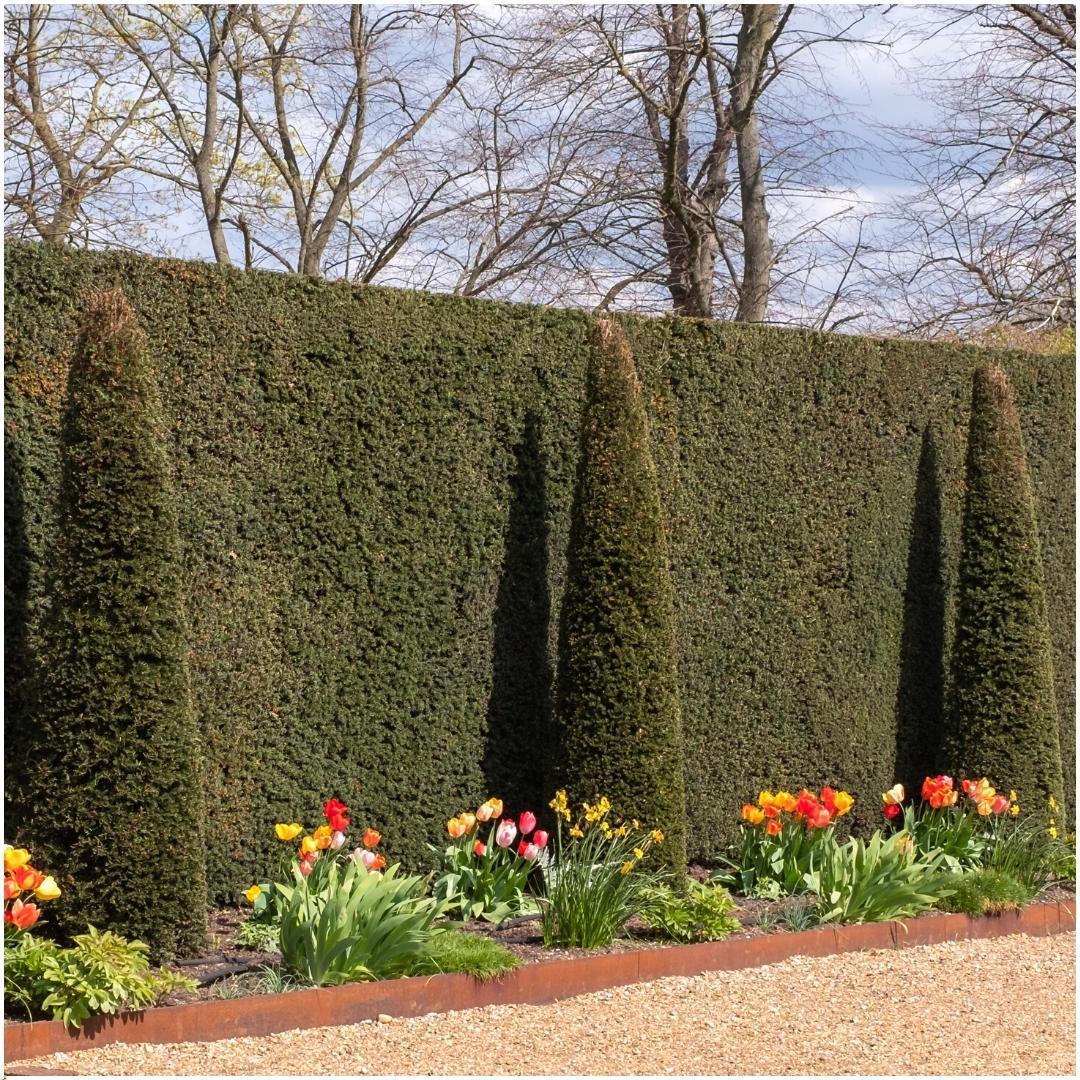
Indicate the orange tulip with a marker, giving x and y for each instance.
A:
(455, 827)
(370, 838)
(28, 879)
(323, 835)
(379, 862)
(21, 915)
(752, 814)
(11, 888)
(773, 826)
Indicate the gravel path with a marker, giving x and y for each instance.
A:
(1005, 1006)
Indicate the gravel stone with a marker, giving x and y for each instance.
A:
(1003, 1006)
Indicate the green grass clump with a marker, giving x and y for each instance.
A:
(983, 892)
(468, 954)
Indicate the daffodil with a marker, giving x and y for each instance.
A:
(576, 832)
(252, 894)
(657, 836)
(626, 868)
(638, 853)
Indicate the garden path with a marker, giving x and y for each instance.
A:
(1002, 1006)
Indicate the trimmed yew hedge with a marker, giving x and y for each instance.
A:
(362, 474)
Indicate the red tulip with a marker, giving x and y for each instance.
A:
(828, 799)
(891, 811)
(540, 838)
(21, 915)
(11, 889)
(526, 822)
(1000, 804)
(818, 818)
(479, 849)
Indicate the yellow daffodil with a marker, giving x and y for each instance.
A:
(1012, 796)
(576, 832)
(657, 836)
(288, 832)
(638, 853)
(635, 824)
(252, 894)
(560, 804)
(1014, 809)
(1053, 804)
(621, 831)
(1053, 832)
(626, 868)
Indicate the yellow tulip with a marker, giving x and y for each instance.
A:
(47, 890)
(765, 798)
(15, 858)
(894, 796)
(309, 845)
(455, 827)
(252, 893)
(288, 832)
(469, 821)
(844, 802)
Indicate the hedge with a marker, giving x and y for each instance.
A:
(362, 474)
(111, 781)
(1002, 717)
(617, 708)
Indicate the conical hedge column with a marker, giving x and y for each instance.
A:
(1003, 717)
(116, 812)
(617, 705)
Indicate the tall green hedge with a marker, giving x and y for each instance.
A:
(375, 494)
(619, 725)
(109, 772)
(1003, 719)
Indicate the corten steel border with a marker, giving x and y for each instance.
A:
(545, 981)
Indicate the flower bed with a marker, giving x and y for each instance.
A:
(535, 983)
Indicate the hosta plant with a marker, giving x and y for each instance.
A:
(780, 838)
(876, 879)
(702, 913)
(483, 873)
(599, 876)
(354, 924)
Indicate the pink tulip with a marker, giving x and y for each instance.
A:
(368, 859)
(540, 838)
(1000, 804)
(528, 852)
(305, 867)
(337, 840)
(505, 833)
(526, 822)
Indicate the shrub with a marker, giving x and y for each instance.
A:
(114, 785)
(467, 954)
(357, 926)
(701, 913)
(485, 878)
(596, 880)
(875, 880)
(1003, 716)
(780, 837)
(101, 973)
(983, 892)
(617, 703)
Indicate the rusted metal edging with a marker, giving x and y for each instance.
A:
(546, 981)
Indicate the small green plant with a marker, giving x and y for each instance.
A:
(24, 968)
(101, 973)
(984, 892)
(799, 916)
(254, 933)
(359, 925)
(1032, 853)
(274, 980)
(765, 921)
(596, 880)
(874, 880)
(468, 954)
(702, 913)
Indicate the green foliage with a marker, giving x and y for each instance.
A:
(256, 933)
(100, 973)
(983, 892)
(489, 886)
(955, 833)
(469, 954)
(774, 866)
(1003, 719)
(701, 913)
(113, 784)
(874, 880)
(595, 881)
(375, 493)
(356, 926)
(1026, 850)
(618, 698)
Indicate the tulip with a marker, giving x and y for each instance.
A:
(485, 811)
(15, 858)
(505, 833)
(773, 827)
(368, 859)
(21, 915)
(323, 835)
(785, 801)
(1000, 804)
(11, 888)
(306, 867)
(252, 894)
(455, 827)
(818, 818)
(379, 863)
(806, 803)
(765, 798)
(844, 802)
(828, 799)
(540, 838)
(333, 807)
(496, 807)
(469, 821)
(904, 844)
(28, 879)
(752, 814)
(48, 889)
(892, 810)
(771, 811)
(338, 822)
(526, 822)
(288, 832)
(479, 849)
(337, 840)
(308, 846)
(371, 838)
(894, 796)
(528, 851)
(984, 809)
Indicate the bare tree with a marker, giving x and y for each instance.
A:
(988, 236)
(76, 114)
